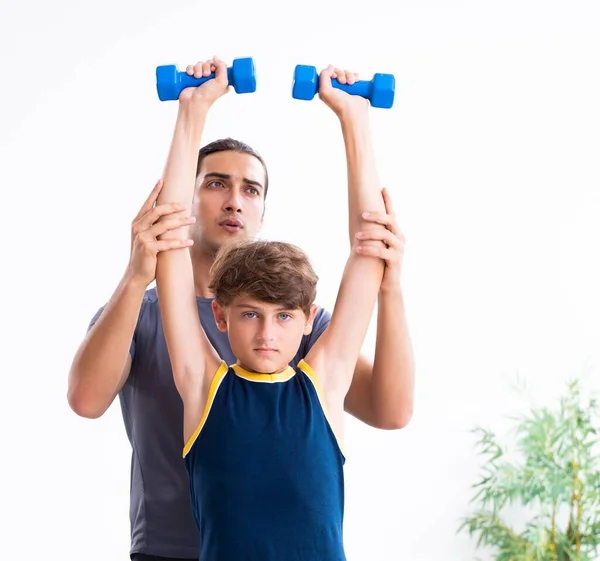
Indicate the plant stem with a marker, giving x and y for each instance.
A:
(578, 530)
(553, 554)
(576, 497)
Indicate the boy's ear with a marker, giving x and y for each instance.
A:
(310, 319)
(220, 317)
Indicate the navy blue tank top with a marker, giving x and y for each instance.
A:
(266, 469)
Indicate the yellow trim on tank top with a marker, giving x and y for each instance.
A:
(307, 369)
(214, 386)
(282, 376)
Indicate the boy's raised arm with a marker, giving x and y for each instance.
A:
(192, 356)
(339, 347)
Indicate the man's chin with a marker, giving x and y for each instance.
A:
(212, 244)
(226, 236)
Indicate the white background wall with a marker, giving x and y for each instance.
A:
(491, 154)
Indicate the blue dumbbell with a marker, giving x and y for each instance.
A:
(379, 91)
(170, 82)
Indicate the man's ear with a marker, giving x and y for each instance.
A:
(220, 316)
(310, 319)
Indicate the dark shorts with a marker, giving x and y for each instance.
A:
(144, 557)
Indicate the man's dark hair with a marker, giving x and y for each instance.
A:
(225, 144)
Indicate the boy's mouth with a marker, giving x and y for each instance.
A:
(265, 350)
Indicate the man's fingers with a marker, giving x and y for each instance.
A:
(387, 201)
(379, 218)
(166, 245)
(149, 202)
(168, 224)
(388, 219)
(378, 234)
(155, 213)
(375, 251)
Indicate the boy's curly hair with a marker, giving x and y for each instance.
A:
(270, 271)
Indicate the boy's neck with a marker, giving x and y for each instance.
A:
(249, 370)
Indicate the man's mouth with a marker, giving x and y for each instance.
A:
(231, 225)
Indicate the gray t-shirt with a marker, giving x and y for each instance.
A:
(160, 511)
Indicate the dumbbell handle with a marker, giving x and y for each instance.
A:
(362, 87)
(184, 80)
(188, 81)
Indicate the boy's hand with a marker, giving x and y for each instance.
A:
(341, 103)
(211, 90)
(145, 230)
(392, 248)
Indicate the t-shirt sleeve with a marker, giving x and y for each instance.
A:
(95, 319)
(320, 324)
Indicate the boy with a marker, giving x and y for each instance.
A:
(263, 440)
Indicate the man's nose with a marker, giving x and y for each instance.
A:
(234, 201)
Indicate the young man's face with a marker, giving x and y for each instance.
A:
(263, 337)
(229, 199)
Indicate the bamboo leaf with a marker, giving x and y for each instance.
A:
(555, 477)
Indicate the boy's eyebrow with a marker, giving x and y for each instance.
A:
(243, 305)
(255, 307)
(227, 176)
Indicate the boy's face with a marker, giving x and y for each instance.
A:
(264, 337)
(229, 200)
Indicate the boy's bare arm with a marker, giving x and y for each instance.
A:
(193, 359)
(337, 350)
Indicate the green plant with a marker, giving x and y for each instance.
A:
(555, 480)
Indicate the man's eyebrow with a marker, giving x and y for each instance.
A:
(227, 176)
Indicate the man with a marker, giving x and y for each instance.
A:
(125, 354)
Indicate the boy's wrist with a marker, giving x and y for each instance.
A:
(191, 117)
(352, 118)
